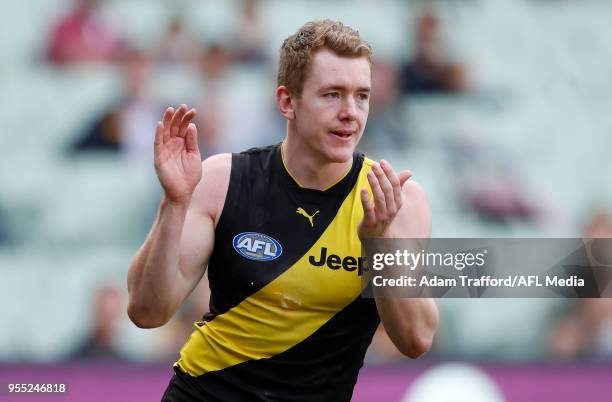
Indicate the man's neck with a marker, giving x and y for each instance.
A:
(308, 170)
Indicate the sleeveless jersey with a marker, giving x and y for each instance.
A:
(287, 321)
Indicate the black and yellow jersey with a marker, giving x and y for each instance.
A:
(286, 320)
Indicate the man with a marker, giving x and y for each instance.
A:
(279, 229)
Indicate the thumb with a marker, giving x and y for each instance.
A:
(404, 176)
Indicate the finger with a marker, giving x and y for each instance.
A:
(387, 189)
(159, 135)
(191, 138)
(368, 208)
(176, 120)
(395, 183)
(167, 116)
(166, 124)
(185, 122)
(158, 145)
(404, 176)
(380, 206)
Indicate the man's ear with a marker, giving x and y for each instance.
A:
(284, 100)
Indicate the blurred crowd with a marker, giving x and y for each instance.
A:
(82, 37)
(486, 184)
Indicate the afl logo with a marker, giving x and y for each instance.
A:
(257, 246)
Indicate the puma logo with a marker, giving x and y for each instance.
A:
(310, 218)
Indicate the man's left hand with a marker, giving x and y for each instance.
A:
(388, 199)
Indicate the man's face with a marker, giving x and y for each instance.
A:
(331, 113)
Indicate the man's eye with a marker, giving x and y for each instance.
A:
(363, 97)
(332, 95)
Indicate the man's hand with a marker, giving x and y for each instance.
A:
(177, 157)
(388, 199)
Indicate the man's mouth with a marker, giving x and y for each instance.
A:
(343, 134)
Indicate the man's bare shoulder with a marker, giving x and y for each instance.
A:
(217, 164)
(210, 193)
(415, 192)
(415, 212)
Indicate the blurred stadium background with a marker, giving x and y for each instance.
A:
(502, 109)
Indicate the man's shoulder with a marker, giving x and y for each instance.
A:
(219, 166)
(414, 190)
(252, 163)
(415, 211)
(260, 150)
(217, 163)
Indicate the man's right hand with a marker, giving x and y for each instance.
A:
(177, 158)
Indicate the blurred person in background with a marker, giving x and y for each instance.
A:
(125, 127)
(282, 324)
(488, 181)
(585, 330)
(100, 343)
(210, 121)
(499, 196)
(386, 128)
(221, 100)
(177, 45)
(429, 69)
(83, 36)
(214, 65)
(138, 106)
(248, 46)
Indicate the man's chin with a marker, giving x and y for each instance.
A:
(338, 152)
(340, 155)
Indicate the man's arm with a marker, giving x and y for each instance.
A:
(174, 256)
(400, 210)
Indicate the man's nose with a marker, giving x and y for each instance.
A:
(348, 109)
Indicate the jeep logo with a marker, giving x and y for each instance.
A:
(335, 262)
